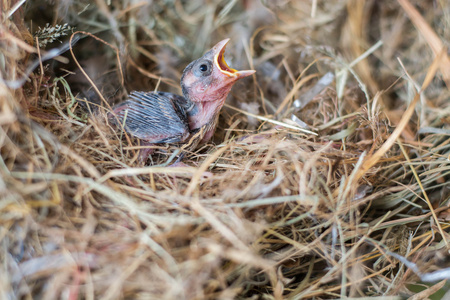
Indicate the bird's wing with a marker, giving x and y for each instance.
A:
(155, 117)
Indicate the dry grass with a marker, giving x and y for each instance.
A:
(265, 211)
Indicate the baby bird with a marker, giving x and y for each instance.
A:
(160, 117)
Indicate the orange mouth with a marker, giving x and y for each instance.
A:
(222, 64)
(219, 60)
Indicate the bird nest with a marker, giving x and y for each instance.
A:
(327, 175)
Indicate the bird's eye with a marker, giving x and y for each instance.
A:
(203, 68)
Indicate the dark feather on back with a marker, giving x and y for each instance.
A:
(156, 117)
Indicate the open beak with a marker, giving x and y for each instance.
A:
(219, 60)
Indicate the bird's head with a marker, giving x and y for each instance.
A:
(209, 78)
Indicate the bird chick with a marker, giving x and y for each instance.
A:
(160, 117)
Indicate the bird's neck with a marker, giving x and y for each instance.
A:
(206, 105)
(205, 113)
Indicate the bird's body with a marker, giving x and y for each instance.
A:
(159, 117)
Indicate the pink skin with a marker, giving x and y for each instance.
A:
(210, 92)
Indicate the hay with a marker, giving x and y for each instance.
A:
(308, 190)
